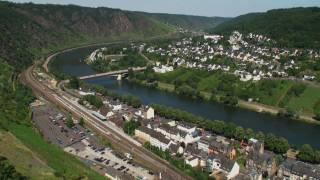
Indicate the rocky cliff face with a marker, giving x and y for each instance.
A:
(97, 22)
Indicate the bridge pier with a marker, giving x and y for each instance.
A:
(119, 77)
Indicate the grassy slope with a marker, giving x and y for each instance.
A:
(303, 104)
(26, 162)
(62, 162)
(15, 118)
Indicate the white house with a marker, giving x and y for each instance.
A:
(177, 135)
(204, 143)
(220, 163)
(186, 127)
(159, 140)
(149, 114)
(192, 161)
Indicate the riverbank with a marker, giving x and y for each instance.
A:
(70, 64)
(253, 106)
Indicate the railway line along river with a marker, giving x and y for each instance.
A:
(297, 132)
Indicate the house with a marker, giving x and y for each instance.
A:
(262, 162)
(117, 120)
(175, 149)
(104, 110)
(186, 127)
(149, 113)
(143, 133)
(217, 145)
(203, 156)
(159, 140)
(204, 143)
(176, 134)
(255, 145)
(193, 161)
(222, 164)
(294, 170)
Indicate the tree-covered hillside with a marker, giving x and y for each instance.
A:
(296, 27)
(190, 22)
(27, 29)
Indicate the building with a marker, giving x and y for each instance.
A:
(262, 162)
(186, 127)
(160, 141)
(204, 143)
(217, 145)
(296, 170)
(222, 164)
(178, 135)
(193, 161)
(143, 133)
(149, 113)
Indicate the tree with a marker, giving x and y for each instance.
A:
(69, 122)
(260, 136)
(317, 157)
(94, 100)
(74, 83)
(7, 171)
(239, 133)
(130, 126)
(282, 145)
(81, 121)
(306, 153)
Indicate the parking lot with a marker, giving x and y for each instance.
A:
(82, 143)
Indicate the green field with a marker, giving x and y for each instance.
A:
(306, 101)
(208, 83)
(274, 95)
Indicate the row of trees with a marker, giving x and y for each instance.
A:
(230, 130)
(93, 100)
(308, 154)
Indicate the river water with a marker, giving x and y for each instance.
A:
(296, 132)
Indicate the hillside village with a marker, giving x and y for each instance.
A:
(248, 56)
(212, 153)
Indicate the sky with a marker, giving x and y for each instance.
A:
(225, 8)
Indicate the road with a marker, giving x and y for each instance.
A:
(62, 99)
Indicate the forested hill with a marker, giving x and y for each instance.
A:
(190, 22)
(296, 27)
(37, 27)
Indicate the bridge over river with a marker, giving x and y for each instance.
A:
(124, 71)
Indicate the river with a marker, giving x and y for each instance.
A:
(297, 132)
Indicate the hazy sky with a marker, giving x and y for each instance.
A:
(229, 8)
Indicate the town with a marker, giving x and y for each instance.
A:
(249, 57)
(213, 153)
(221, 157)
